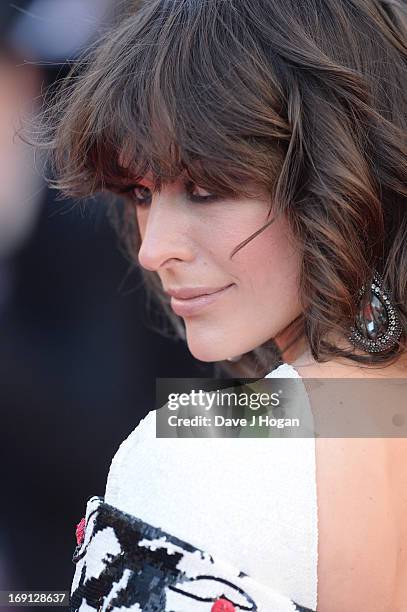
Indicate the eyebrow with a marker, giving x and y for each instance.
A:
(182, 176)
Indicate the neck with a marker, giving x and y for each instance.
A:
(299, 355)
(292, 342)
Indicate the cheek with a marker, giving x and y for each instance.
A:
(141, 220)
(270, 268)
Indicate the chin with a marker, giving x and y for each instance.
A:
(206, 354)
(210, 351)
(205, 350)
(215, 342)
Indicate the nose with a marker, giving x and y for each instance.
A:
(165, 234)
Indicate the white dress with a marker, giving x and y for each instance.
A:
(188, 522)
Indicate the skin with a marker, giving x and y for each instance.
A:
(362, 558)
(362, 547)
(189, 244)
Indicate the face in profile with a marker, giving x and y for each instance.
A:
(188, 238)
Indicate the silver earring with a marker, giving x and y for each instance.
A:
(234, 359)
(377, 327)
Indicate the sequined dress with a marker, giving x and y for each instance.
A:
(202, 524)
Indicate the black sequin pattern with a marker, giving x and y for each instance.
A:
(124, 563)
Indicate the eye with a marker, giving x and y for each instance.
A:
(141, 195)
(210, 197)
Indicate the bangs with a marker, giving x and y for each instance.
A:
(179, 86)
(304, 99)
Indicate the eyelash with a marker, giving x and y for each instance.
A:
(142, 204)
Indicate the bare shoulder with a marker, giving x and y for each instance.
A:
(362, 504)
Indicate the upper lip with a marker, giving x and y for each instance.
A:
(186, 293)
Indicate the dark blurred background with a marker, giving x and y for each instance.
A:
(78, 351)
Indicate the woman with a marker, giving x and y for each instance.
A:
(260, 149)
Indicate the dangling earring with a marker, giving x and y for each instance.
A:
(378, 326)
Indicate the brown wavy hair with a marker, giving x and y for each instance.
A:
(306, 99)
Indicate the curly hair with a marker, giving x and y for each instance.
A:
(306, 99)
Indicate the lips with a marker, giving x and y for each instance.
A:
(192, 305)
(187, 293)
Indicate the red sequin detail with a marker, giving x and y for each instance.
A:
(80, 531)
(223, 605)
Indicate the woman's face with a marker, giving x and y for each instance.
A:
(189, 244)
